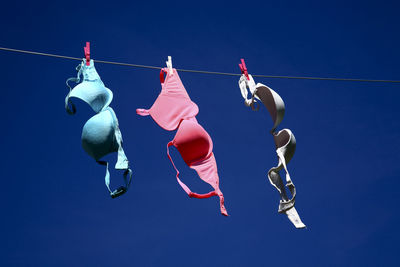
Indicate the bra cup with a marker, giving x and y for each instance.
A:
(168, 110)
(192, 142)
(98, 135)
(286, 142)
(89, 73)
(273, 102)
(94, 93)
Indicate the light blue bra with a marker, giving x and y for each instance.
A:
(100, 134)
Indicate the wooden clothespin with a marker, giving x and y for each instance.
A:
(169, 65)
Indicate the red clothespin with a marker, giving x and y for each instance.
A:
(161, 76)
(244, 69)
(87, 53)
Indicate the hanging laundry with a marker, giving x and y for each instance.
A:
(173, 109)
(101, 134)
(285, 141)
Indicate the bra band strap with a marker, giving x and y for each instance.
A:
(187, 190)
(122, 189)
(289, 182)
(210, 194)
(122, 162)
(142, 112)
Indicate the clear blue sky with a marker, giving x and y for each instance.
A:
(54, 204)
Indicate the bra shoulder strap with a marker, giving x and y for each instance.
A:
(76, 79)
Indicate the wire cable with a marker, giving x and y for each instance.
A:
(202, 71)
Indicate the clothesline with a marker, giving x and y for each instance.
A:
(201, 71)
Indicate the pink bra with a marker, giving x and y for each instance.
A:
(172, 110)
(172, 105)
